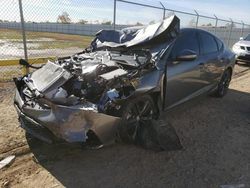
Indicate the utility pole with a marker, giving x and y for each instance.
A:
(25, 69)
(114, 18)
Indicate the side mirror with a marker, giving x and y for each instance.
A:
(24, 62)
(27, 65)
(241, 38)
(186, 55)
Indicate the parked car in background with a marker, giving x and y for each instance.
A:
(242, 49)
(122, 82)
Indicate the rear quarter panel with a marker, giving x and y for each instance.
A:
(229, 59)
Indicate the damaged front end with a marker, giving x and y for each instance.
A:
(80, 96)
(73, 96)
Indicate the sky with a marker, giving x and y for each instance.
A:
(102, 10)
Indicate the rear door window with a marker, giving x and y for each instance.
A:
(220, 44)
(208, 43)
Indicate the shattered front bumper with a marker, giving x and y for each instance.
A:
(70, 123)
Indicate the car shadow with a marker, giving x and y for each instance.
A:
(200, 123)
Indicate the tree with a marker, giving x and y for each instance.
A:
(96, 22)
(229, 25)
(81, 21)
(192, 22)
(169, 14)
(64, 18)
(151, 22)
(106, 23)
(207, 25)
(139, 24)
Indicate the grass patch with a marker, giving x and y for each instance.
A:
(59, 45)
(10, 34)
(58, 41)
(9, 74)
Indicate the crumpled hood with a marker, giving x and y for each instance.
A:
(152, 34)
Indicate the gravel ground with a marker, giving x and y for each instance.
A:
(215, 134)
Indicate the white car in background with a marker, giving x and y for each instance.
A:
(242, 49)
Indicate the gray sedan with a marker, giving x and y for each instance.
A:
(121, 83)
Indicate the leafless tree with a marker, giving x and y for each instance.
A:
(106, 23)
(151, 22)
(192, 22)
(171, 13)
(81, 21)
(139, 24)
(229, 25)
(64, 18)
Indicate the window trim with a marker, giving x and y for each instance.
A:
(202, 45)
(222, 47)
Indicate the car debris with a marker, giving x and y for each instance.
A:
(6, 183)
(159, 135)
(7, 161)
(115, 87)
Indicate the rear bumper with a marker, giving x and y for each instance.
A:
(69, 123)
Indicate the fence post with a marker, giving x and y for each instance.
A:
(114, 18)
(164, 11)
(242, 28)
(25, 69)
(216, 24)
(230, 33)
(197, 19)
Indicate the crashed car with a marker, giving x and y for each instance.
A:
(121, 82)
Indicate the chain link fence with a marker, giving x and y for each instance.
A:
(51, 28)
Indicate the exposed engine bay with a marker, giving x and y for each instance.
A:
(101, 78)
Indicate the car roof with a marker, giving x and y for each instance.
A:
(193, 29)
(199, 30)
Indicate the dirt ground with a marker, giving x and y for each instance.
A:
(215, 134)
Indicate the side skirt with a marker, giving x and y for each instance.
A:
(206, 89)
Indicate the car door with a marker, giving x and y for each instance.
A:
(211, 57)
(183, 77)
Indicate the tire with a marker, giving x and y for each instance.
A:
(224, 84)
(136, 115)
